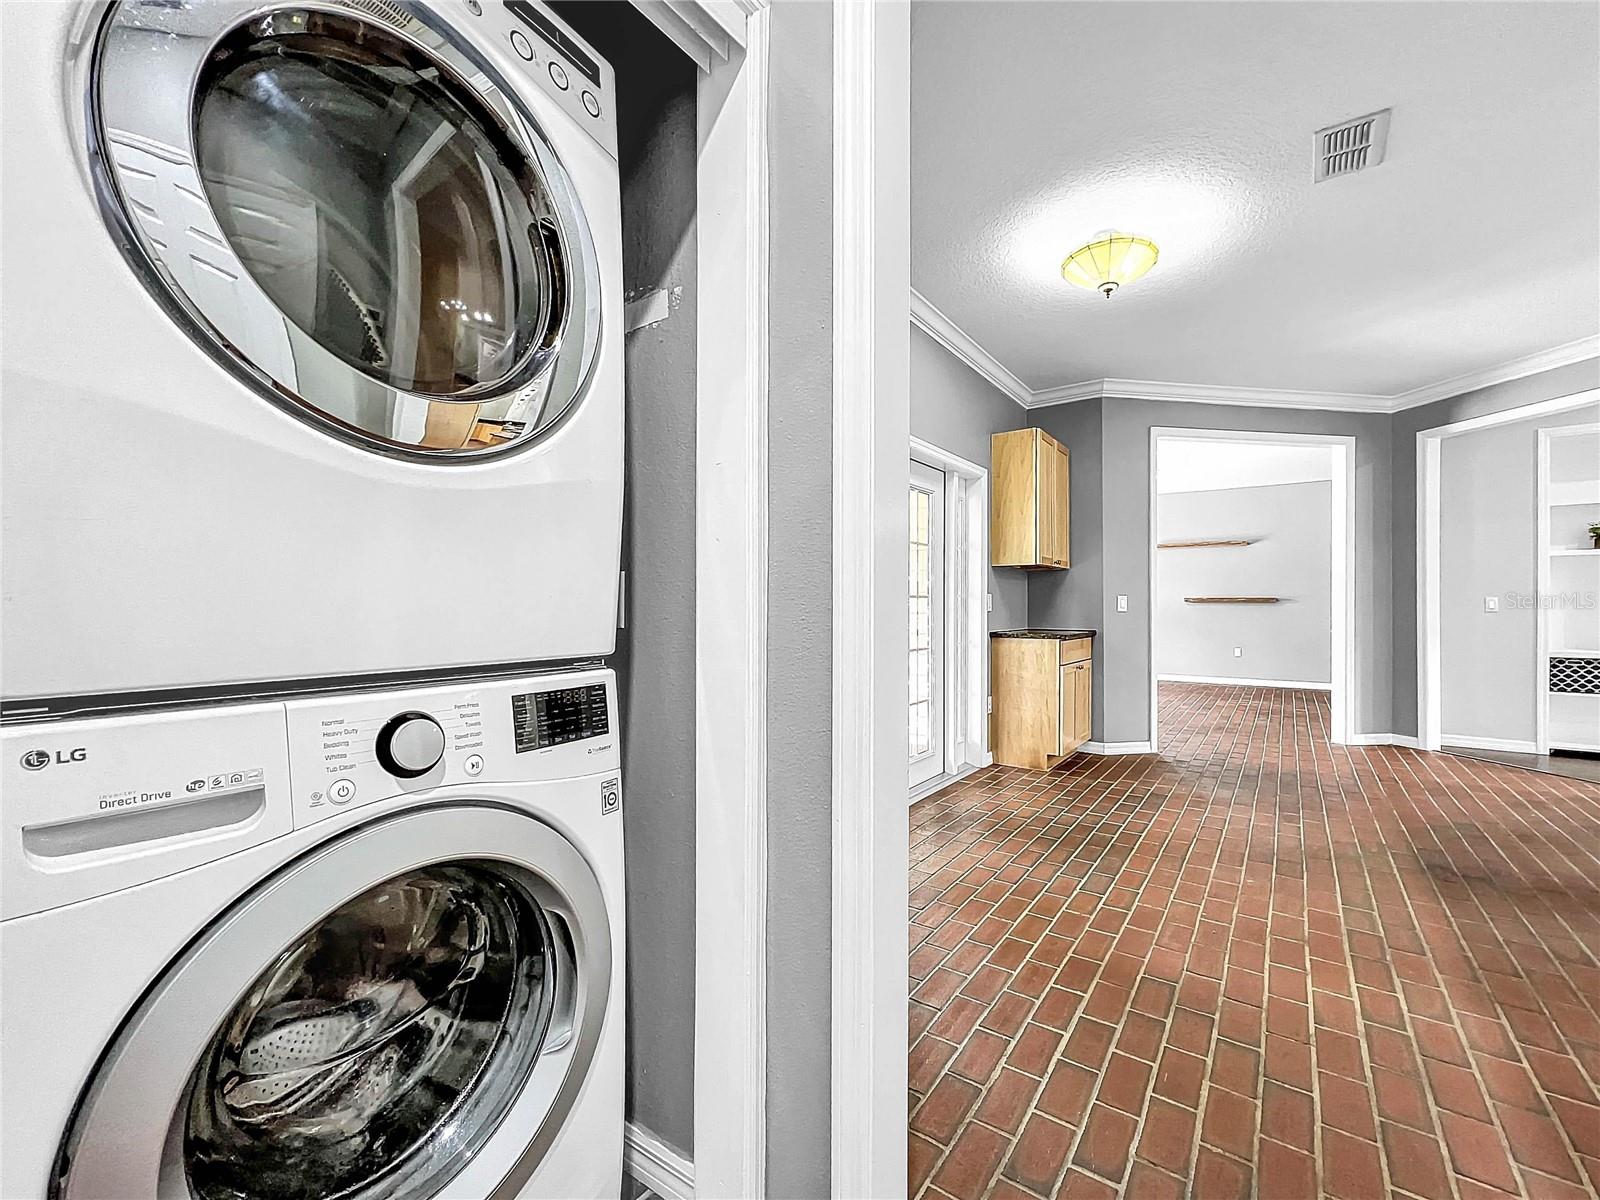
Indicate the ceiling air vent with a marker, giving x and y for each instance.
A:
(1351, 146)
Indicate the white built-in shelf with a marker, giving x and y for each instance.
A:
(1569, 653)
(1232, 599)
(1586, 491)
(1571, 551)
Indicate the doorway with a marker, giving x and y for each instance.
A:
(1243, 587)
(926, 504)
(947, 506)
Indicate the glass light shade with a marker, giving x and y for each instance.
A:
(1110, 261)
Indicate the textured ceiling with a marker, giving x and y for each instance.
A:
(1034, 125)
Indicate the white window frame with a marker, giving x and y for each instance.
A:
(966, 636)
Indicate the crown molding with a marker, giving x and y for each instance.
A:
(1517, 368)
(1207, 393)
(927, 317)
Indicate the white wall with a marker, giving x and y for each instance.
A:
(1488, 492)
(1290, 556)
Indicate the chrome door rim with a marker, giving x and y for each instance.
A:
(121, 1139)
(456, 58)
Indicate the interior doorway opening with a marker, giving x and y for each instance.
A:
(1252, 564)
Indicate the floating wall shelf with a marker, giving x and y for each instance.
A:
(1200, 545)
(1232, 599)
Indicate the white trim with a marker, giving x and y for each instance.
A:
(708, 31)
(1382, 739)
(1450, 741)
(871, 430)
(1205, 393)
(956, 340)
(1304, 685)
(730, 1051)
(927, 316)
(1517, 368)
(660, 1167)
(1429, 443)
(1342, 535)
(1109, 748)
(923, 790)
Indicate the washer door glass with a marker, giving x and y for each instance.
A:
(354, 216)
(377, 1052)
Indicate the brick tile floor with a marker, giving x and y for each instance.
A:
(1257, 965)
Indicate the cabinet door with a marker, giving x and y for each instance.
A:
(1061, 505)
(1083, 702)
(1046, 465)
(1014, 495)
(1068, 709)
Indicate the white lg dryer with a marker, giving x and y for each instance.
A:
(365, 945)
(312, 357)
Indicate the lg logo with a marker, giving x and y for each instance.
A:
(38, 760)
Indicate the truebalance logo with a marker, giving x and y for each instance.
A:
(38, 760)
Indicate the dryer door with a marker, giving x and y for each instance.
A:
(361, 1025)
(352, 212)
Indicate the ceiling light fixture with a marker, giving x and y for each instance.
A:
(1109, 261)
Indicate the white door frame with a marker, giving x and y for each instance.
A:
(966, 560)
(871, 429)
(1429, 444)
(932, 767)
(871, 361)
(1342, 670)
(730, 1019)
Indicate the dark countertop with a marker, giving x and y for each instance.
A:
(1052, 634)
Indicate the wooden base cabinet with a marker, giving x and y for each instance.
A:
(1043, 691)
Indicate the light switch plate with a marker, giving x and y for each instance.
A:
(1238, 651)
(1491, 604)
(1122, 604)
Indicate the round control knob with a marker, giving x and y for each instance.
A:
(410, 744)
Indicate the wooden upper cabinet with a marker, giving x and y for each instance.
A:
(1030, 518)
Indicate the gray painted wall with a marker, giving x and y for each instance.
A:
(655, 650)
(1547, 385)
(1122, 513)
(1290, 556)
(800, 629)
(956, 409)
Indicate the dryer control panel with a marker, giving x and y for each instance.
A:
(349, 751)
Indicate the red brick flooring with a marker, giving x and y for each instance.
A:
(1256, 965)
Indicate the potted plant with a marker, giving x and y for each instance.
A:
(1594, 533)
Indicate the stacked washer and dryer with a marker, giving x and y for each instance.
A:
(312, 486)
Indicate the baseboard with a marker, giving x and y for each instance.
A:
(657, 1165)
(1298, 684)
(1506, 745)
(1383, 739)
(923, 790)
(1116, 748)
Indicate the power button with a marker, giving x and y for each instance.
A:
(519, 43)
(342, 791)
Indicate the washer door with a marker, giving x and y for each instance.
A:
(360, 1025)
(352, 212)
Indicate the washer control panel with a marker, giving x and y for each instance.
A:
(556, 59)
(349, 751)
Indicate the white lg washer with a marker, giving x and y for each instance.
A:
(356, 944)
(312, 359)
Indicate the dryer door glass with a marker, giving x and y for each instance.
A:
(379, 1049)
(360, 222)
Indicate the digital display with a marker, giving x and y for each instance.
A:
(543, 719)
